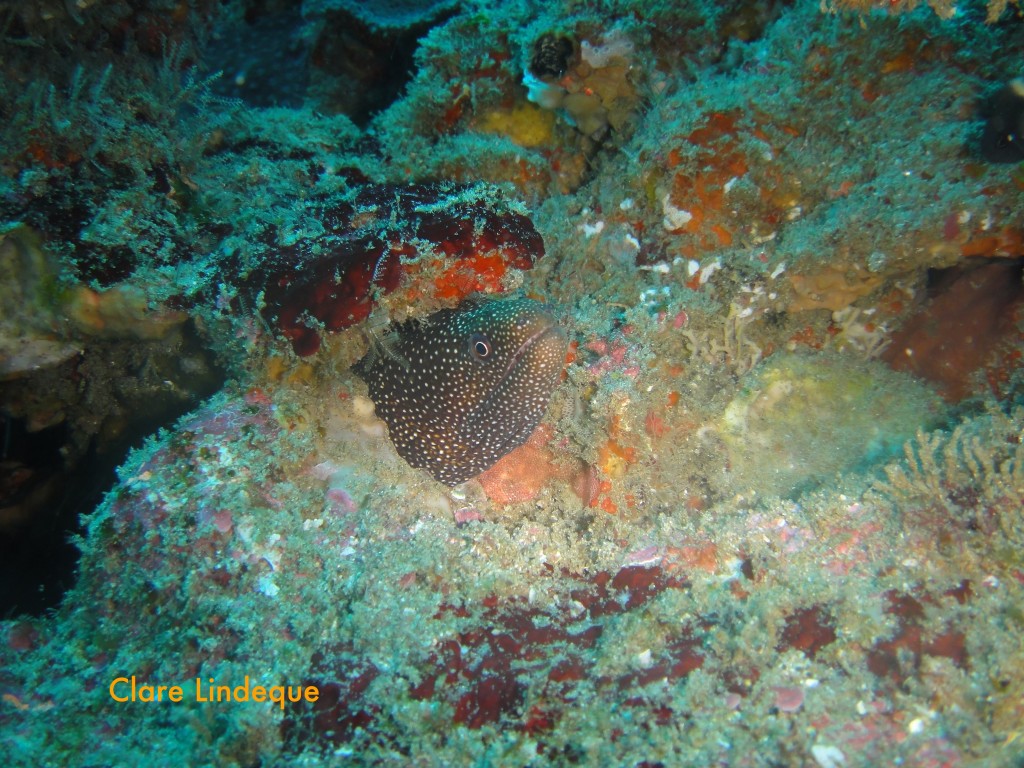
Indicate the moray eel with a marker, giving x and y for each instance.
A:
(461, 388)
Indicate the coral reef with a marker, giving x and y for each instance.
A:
(770, 514)
(593, 88)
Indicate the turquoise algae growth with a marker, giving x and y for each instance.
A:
(745, 491)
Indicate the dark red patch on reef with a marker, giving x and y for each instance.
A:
(808, 630)
(511, 664)
(438, 237)
(333, 713)
(526, 666)
(899, 657)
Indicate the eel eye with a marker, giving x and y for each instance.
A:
(480, 346)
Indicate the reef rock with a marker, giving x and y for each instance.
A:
(800, 420)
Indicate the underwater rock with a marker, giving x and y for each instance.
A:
(393, 14)
(478, 677)
(30, 275)
(456, 239)
(363, 55)
(461, 388)
(1002, 140)
(263, 55)
(801, 420)
(960, 330)
(718, 185)
(121, 312)
(23, 356)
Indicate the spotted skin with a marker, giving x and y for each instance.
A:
(463, 387)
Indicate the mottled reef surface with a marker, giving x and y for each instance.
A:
(773, 514)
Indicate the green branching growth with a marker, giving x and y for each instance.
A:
(977, 468)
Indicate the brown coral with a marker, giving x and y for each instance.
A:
(834, 287)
